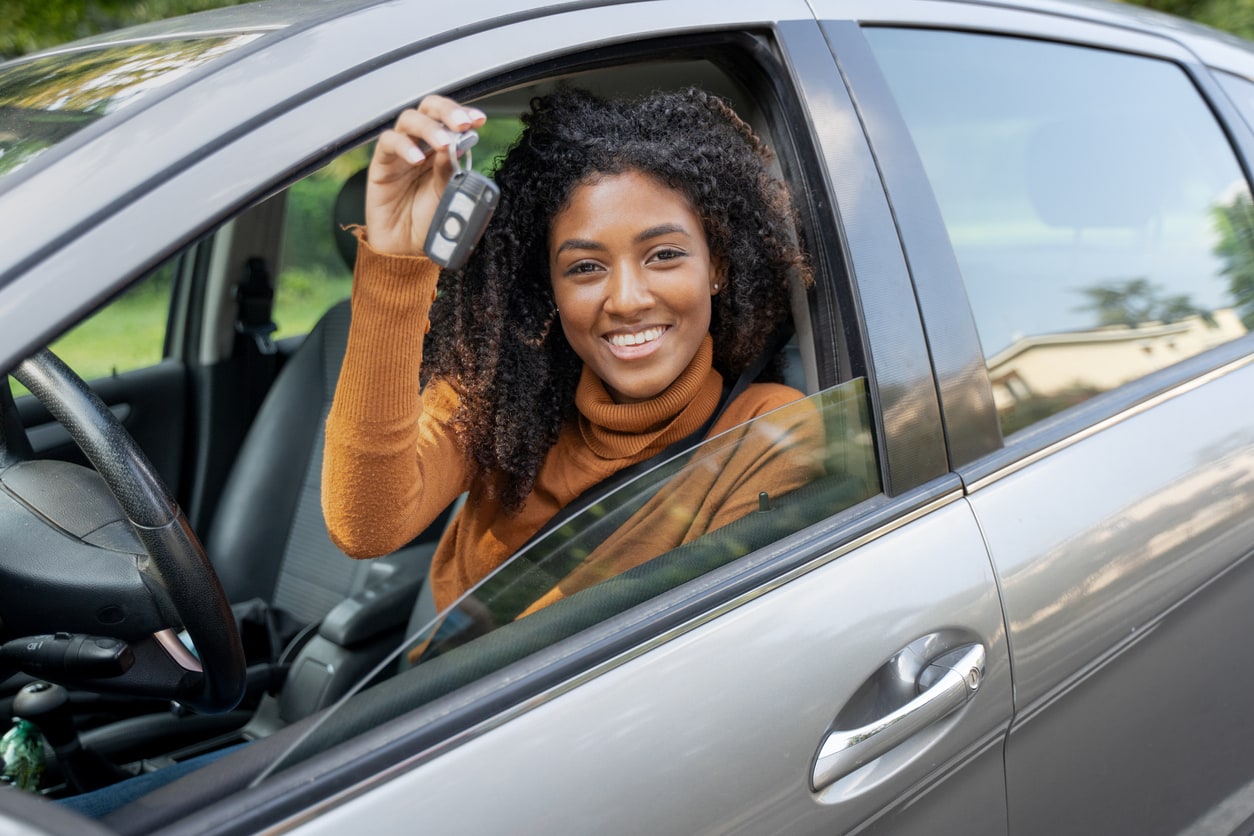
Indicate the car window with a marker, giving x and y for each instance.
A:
(1241, 90)
(126, 334)
(49, 98)
(316, 269)
(1100, 219)
(603, 560)
(313, 275)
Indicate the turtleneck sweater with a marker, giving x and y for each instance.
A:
(393, 462)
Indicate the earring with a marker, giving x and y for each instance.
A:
(716, 287)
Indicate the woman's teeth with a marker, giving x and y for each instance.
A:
(648, 335)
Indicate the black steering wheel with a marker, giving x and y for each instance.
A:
(105, 559)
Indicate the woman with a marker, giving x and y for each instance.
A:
(639, 260)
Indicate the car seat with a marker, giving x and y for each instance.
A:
(269, 544)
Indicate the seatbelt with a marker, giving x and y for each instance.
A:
(257, 353)
(254, 299)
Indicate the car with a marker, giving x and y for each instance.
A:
(1018, 601)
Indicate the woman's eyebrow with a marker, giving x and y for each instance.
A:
(651, 232)
(579, 244)
(659, 230)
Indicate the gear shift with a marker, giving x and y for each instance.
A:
(48, 706)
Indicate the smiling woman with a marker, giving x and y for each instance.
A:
(632, 281)
(639, 263)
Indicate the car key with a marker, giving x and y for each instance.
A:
(462, 214)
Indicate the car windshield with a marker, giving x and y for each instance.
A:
(46, 99)
(604, 560)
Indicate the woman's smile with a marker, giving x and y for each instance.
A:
(632, 278)
(632, 345)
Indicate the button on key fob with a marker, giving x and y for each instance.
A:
(463, 213)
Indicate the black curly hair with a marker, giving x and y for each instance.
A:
(493, 329)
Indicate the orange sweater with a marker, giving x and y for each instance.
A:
(392, 464)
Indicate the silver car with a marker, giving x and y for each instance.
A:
(1018, 601)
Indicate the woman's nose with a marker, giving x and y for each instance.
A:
(627, 292)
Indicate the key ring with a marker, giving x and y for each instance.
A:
(470, 138)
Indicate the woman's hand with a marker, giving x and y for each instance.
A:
(404, 185)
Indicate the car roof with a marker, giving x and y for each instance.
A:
(279, 16)
(292, 49)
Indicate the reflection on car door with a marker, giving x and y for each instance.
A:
(716, 729)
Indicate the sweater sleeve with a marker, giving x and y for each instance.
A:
(392, 462)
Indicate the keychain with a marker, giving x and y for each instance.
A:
(463, 213)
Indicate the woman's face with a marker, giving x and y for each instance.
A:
(632, 278)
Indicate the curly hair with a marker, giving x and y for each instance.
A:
(493, 330)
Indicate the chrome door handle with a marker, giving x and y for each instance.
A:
(944, 686)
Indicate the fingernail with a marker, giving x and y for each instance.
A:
(414, 155)
(459, 117)
(476, 114)
(443, 138)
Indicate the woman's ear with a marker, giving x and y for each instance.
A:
(718, 276)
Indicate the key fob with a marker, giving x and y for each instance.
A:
(463, 213)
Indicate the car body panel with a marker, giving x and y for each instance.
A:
(1094, 545)
(646, 746)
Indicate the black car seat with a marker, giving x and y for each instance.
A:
(268, 540)
(269, 543)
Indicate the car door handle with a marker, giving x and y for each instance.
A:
(944, 686)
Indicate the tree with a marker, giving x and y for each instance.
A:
(30, 25)
(1133, 302)
(1235, 224)
(1235, 16)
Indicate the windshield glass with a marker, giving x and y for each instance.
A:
(649, 536)
(48, 98)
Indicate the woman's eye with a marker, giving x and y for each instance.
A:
(668, 254)
(581, 267)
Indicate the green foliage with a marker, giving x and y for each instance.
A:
(1235, 16)
(1235, 224)
(32, 25)
(304, 295)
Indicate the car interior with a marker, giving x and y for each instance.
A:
(316, 625)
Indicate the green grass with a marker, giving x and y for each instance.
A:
(130, 332)
(304, 295)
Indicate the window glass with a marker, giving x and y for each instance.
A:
(1242, 93)
(314, 275)
(1100, 219)
(126, 334)
(717, 501)
(46, 99)
(317, 256)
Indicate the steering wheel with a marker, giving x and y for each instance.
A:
(105, 559)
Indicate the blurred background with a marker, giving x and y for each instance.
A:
(31, 25)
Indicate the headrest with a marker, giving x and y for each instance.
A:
(350, 208)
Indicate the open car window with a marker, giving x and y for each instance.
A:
(605, 559)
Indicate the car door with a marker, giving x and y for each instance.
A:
(707, 708)
(1093, 188)
(788, 689)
